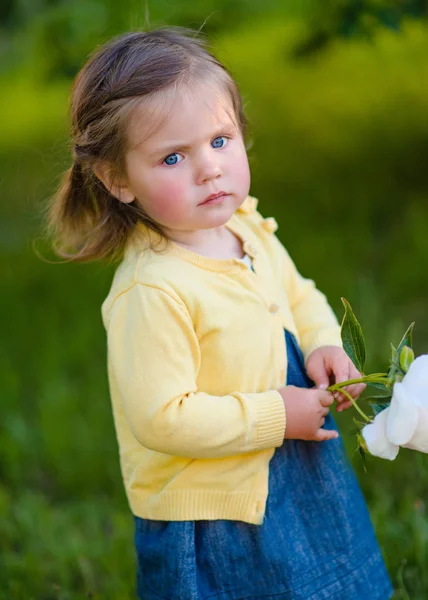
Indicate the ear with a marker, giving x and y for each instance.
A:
(116, 185)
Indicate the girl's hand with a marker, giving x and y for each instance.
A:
(305, 411)
(331, 364)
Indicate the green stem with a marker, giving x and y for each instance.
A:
(377, 375)
(375, 378)
(355, 405)
(385, 380)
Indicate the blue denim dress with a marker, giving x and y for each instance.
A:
(315, 543)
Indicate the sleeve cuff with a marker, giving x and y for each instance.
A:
(270, 420)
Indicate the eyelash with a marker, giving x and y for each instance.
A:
(226, 137)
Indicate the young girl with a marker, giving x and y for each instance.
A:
(232, 464)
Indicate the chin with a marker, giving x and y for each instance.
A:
(216, 219)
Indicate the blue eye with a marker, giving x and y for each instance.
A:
(219, 142)
(173, 159)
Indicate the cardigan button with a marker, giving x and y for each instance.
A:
(270, 225)
(250, 249)
(273, 309)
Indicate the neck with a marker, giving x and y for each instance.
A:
(218, 242)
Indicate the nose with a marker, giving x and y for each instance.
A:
(208, 167)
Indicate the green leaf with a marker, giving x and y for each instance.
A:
(361, 442)
(407, 339)
(362, 450)
(380, 386)
(378, 408)
(362, 453)
(378, 399)
(358, 423)
(352, 337)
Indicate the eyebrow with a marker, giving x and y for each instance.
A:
(174, 147)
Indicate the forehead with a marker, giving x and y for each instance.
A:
(180, 115)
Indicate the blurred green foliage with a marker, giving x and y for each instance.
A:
(336, 93)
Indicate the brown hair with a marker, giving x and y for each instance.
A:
(86, 221)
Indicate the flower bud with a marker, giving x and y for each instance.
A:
(407, 356)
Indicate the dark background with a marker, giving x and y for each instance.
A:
(337, 96)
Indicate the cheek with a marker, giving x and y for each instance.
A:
(241, 170)
(168, 200)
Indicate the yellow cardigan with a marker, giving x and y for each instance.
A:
(196, 352)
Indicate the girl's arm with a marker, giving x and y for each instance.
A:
(315, 320)
(154, 359)
(319, 333)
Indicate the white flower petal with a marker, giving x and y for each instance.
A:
(402, 417)
(374, 435)
(419, 439)
(416, 380)
(418, 370)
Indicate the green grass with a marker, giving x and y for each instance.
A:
(73, 549)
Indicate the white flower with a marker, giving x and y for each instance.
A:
(376, 440)
(405, 421)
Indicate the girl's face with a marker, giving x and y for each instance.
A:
(197, 152)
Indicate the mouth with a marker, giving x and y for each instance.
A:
(214, 198)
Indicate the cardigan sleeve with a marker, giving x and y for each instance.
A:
(314, 318)
(315, 321)
(154, 358)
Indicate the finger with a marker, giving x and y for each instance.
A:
(344, 406)
(317, 372)
(356, 389)
(341, 397)
(322, 422)
(354, 372)
(350, 389)
(325, 411)
(326, 399)
(341, 373)
(325, 434)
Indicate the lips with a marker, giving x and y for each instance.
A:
(213, 198)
